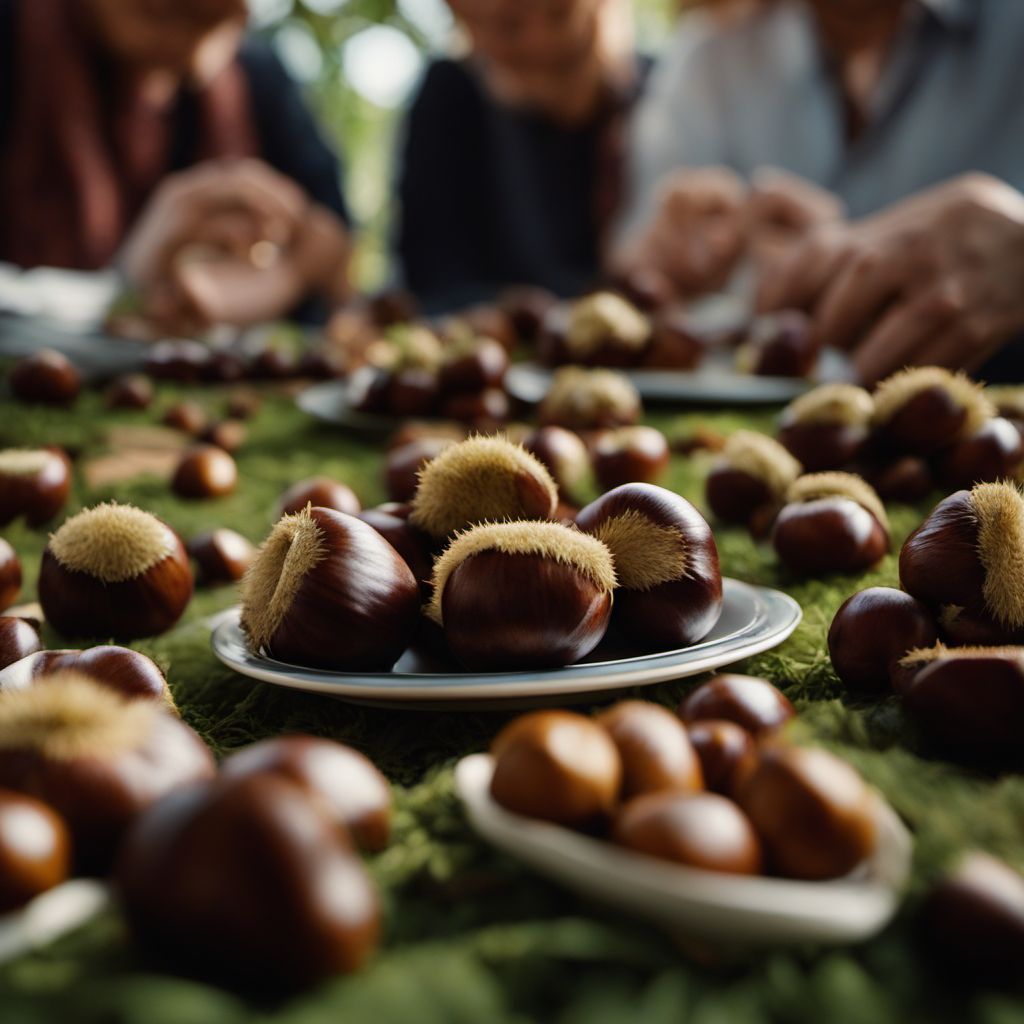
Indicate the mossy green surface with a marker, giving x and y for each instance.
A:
(472, 935)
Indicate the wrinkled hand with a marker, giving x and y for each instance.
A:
(935, 280)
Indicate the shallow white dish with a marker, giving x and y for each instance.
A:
(707, 906)
(328, 402)
(754, 619)
(50, 915)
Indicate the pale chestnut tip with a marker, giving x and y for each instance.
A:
(762, 458)
(590, 399)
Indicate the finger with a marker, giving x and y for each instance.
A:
(799, 277)
(965, 345)
(778, 197)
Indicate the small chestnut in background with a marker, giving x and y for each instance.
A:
(130, 391)
(831, 522)
(227, 434)
(909, 479)
(828, 427)
(484, 411)
(243, 405)
(178, 359)
(629, 454)
(114, 571)
(34, 483)
(221, 555)
(565, 456)
(872, 631)
(18, 639)
(402, 465)
(10, 575)
(675, 344)
(583, 399)
(526, 306)
(205, 471)
(47, 377)
(992, 452)
(321, 492)
(188, 417)
(779, 345)
(472, 364)
(557, 766)
(600, 329)
(750, 702)
(726, 750)
(35, 849)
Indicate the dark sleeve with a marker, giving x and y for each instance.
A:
(439, 241)
(290, 138)
(6, 70)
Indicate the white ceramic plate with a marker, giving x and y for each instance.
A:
(754, 619)
(51, 915)
(706, 906)
(328, 402)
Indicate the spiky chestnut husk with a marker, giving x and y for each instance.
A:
(923, 409)
(726, 750)
(751, 475)
(601, 329)
(45, 376)
(327, 590)
(666, 561)
(749, 701)
(114, 571)
(321, 492)
(348, 784)
(10, 575)
(18, 640)
(248, 881)
(972, 922)
(472, 364)
(205, 471)
(483, 479)
(699, 830)
(814, 813)
(779, 345)
(34, 483)
(654, 747)
(966, 563)
(582, 399)
(35, 849)
(415, 547)
(522, 595)
(95, 757)
(872, 631)
(131, 391)
(221, 555)
(629, 454)
(565, 455)
(827, 428)
(907, 480)
(674, 344)
(130, 674)
(831, 522)
(993, 452)
(188, 417)
(557, 766)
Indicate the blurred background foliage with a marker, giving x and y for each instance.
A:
(360, 61)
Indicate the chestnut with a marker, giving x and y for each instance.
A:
(227, 434)
(749, 478)
(403, 465)
(327, 590)
(872, 631)
(726, 750)
(10, 575)
(565, 456)
(413, 545)
(419, 430)
(992, 452)
(18, 639)
(964, 562)
(655, 750)
(225, 365)
(908, 480)
(179, 360)
(243, 405)
(557, 766)
(749, 701)
(221, 555)
(666, 562)
(601, 329)
(319, 491)
(815, 815)
(925, 408)
(250, 881)
(94, 757)
(130, 391)
(522, 595)
(272, 362)
(367, 390)
(391, 307)
(781, 344)
(413, 391)
(831, 522)
(698, 830)
(483, 479)
(485, 320)
(205, 471)
(484, 411)
(827, 428)
(346, 782)
(582, 399)
(34, 483)
(114, 570)
(35, 849)
(471, 364)
(188, 417)
(629, 454)
(526, 306)
(674, 344)
(47, 377)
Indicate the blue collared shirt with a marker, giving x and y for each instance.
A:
(950, 100)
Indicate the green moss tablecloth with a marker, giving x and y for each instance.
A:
(470, 934)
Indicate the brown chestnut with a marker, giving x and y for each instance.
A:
(726, 750)
(413, 545)
(18, 640)
(814, 813)
(403, 465)
(34, 483)
(666, 562)
(526, 306)
(327, 590)
(472, 364)
(831, 522)
(522, 595)
(828, 427)
(601, 329)
(779, 345)
(557, 766)
(655, 750)
(908, 480)
(243, 405)
(205, 471)
(188, 417)
(179, 360)
(750, 702)
(965, 563)
(10, 575)
(131, 391)
(872, 631)
(35, 849)
(94, 757)
(46, 376)
(221, 555)
(347, 783)
(564, 454)
(114, 571)
(674, 344)
(751, 475)
(484, 411)
(698, 830)
(485, 320)
(248, 880)
(319, 491)
(483, 479)
(582, 399)
(629, 454)
(227, 434)
(413, 391)
(992, 452)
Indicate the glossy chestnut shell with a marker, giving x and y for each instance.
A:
(10, 575)
(636, 454)
(750, 702)
(726, 750)
(47, 377)
(131, 391)
(34, 484)
(17, 640)
(320, 491)
(221, 555)
(205, 471)
(35, 849)
(564, 454)
(403, 464)
(825, 535)
(993, 452)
